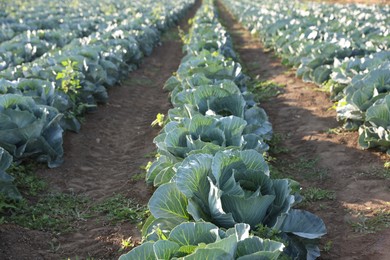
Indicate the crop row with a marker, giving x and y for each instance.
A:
(342, 48)
(215, 197)
(41, 99)
(18, 17)
(41, 34)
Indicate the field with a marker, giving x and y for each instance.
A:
(262, 144)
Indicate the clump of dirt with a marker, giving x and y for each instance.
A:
(301, 116)
(104, 159)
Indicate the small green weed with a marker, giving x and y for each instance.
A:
(151, 154)
(336, 131)
(304, 168)
(126, 244)
(138, 176)
(264, 90)
(60, 212)
(26, 180)
(160, 120)
(69, 77)
(378, 172)
(371, 223)
(275, 144)
(386, 165)
(313, 194)
(119, 209)
(277, 173)
(56, 212)
(328, 246)
(308, 169)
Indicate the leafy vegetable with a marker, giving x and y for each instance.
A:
(201, 240)
(234, 187)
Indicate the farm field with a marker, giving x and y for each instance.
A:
(220, 78)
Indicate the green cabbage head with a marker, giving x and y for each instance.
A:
(202, 240)
(234, 187)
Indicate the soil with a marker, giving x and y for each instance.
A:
(102, 158)
(302, 116)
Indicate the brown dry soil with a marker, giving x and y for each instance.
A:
(101, 160)
(302, 117)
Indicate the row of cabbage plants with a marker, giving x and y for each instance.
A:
(215, 197)
(343, 48)
(59, 25)
(31, 44)
(18, 17)
(41, 99)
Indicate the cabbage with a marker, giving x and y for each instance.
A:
(7, 188)
(375, 132)
(28, 129)
(234, 187)
(203, 240)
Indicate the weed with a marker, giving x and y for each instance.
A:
(160, 120)
(54, 246)
(146, 167)
(56, 212)
(60, 212)
(386, 165)
(69, 77)
(185, 38)
(264, 90)
(313, 194)
(26, 180)
(126, 243)
(5, 203)
(151, 154)
(275, 144)
(308, 170)
(141, 175)
(119, 209)
(305, 168)
(336, 131)
(328, 246)
(371, 222)
(276, 173)
(138, 176)
(378, 172)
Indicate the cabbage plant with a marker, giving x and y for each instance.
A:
(7, 188)
(376, 129)
(203, 240)
(199, 133)
(235, 187)
(361, 94)
(30, 130)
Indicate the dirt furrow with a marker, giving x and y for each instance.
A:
(318, 157)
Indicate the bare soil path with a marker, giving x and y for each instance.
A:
(101, 160)
(318, 158)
